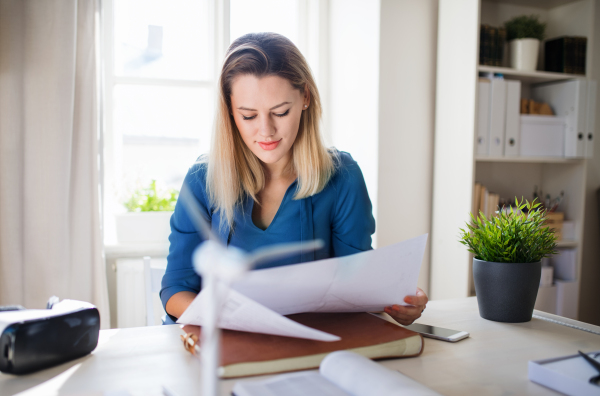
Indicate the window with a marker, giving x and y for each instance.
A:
(161, 63)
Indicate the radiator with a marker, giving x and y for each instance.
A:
(131, 297)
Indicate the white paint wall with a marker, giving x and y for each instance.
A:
(381, 107)
(406, 121)
(352, 108)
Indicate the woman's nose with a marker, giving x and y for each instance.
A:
(266, 127)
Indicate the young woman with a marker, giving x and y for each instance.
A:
(269, 178)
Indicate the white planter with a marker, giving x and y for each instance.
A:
(143, 227)
(524, 53)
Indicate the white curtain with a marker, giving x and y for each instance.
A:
(50, 230)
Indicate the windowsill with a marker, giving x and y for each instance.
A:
(134, 250)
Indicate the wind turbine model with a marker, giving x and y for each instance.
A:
(216, 262)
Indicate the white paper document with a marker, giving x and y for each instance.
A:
(238, 312)
(362, 282)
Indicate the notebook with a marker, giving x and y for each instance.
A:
(246, 354)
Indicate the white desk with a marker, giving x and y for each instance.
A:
(493, 361)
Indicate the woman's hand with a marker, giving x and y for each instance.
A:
(405, 315)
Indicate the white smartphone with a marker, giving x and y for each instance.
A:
(439, 333)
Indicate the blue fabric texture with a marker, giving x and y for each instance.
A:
(341, 215)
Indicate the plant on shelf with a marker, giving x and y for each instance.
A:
(508, 249)
(524, 34)
(150, 199)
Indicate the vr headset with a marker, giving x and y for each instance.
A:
(35, 339)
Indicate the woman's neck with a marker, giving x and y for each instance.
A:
(282, 169)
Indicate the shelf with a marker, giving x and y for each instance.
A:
(532, 77)
(567, 243)
(531, 160)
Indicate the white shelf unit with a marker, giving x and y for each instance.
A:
(456, 165)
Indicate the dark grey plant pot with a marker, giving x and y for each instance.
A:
(506, 292)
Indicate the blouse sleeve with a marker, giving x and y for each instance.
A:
(180, 274)
(353, 222)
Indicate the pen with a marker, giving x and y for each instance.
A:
(595, 364)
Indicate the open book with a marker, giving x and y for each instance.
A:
(341, 374)
(246, 354)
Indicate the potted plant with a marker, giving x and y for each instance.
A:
(508, 249)
(524, 34)
(149, 210)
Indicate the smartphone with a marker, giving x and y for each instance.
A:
(439, 333)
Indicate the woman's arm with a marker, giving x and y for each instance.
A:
(180, 278)
(179, 302)
(352, 221)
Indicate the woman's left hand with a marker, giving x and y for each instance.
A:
(405, 315)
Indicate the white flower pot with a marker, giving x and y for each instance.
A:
(143, 227)
(524, 53)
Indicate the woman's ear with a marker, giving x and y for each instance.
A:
(306, 96)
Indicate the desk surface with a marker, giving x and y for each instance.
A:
(492, 361)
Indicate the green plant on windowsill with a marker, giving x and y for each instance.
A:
(150, 199)
(515, 235)
(525, 27)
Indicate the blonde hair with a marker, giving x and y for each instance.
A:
(234, 172)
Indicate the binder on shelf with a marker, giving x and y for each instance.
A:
(591, 118)
(483, 116)
(568, 99)
(512, 134)
(497, 117)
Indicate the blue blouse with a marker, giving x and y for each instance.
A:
(341, 215)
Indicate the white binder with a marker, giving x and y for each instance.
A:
(591, 119)
(483, 116)
(568, 99)
(513, 125)
(497, 117)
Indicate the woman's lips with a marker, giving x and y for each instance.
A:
(269, 145)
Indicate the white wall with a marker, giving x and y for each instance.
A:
(352, 107)
(381, 108)
(406, 121)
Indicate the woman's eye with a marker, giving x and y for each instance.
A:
(283, 114)
(248, 118)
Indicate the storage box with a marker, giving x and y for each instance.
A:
(542, 136)
(565, 264)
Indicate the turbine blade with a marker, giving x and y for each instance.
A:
(282, 250)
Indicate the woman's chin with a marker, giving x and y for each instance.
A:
(270, 156)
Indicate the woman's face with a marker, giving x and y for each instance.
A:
(267, 113)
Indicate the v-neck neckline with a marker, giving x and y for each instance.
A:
(251, 209)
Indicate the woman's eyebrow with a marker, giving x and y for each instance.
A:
(272, 108)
